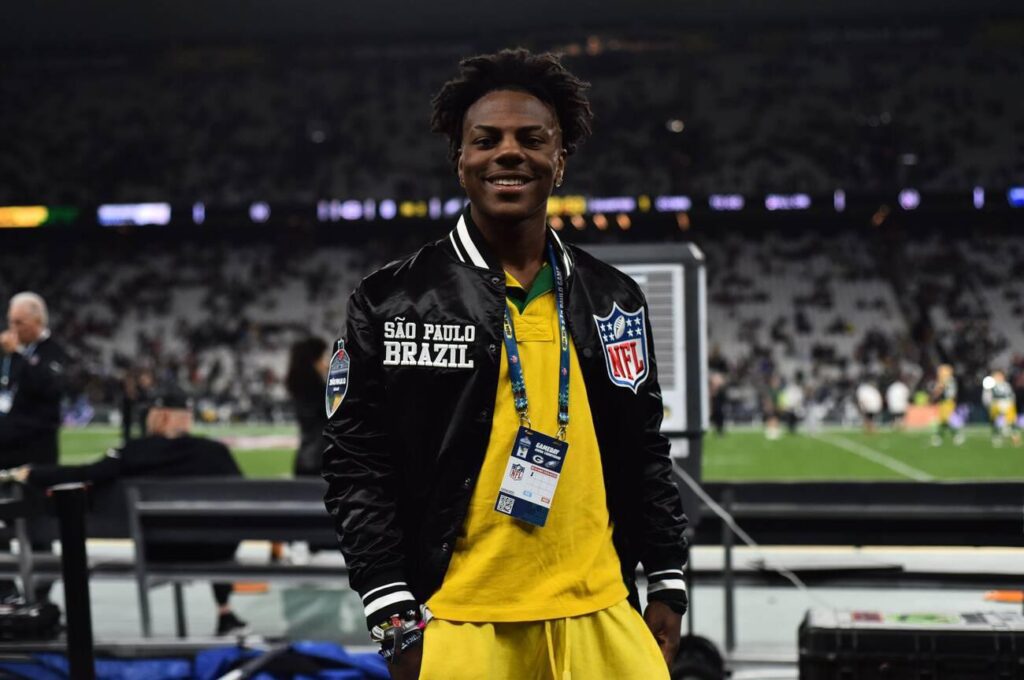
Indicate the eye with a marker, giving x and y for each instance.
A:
(484, 142)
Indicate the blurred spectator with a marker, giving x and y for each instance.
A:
(897, 398)
(869, 402)
(307, 372)
(32, 381)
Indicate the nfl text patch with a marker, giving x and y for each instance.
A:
(624, 341)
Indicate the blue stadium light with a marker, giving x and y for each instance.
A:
(672, 203)
(909, 199)
(452, 207)
(839, 200)
(198, 213)
(133, 214)
(259, 212)
(352, 210)
(434, 208)
(725, 202)
(326, 210)
(623, 204)
(1015, 196)
(979, 198)
(787, 202)
(388, 209)
(369, 209)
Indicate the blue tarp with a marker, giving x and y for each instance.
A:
(332, 661)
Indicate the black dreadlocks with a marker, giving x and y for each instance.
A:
(541, 75)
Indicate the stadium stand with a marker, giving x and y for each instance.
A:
(792, 112)
(798, 308)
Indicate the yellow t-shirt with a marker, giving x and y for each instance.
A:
(505, 570)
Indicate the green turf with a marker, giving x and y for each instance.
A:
(747, 455)
(82, 445)
(742, 454)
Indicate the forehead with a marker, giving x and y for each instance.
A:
(19, 311)
(510, 109)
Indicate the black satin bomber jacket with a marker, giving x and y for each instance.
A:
(407, 443)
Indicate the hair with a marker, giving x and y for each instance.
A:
(35, 303)
(541, 75)
(302, 377)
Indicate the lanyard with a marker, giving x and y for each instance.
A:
(5, 372)
(515, 364)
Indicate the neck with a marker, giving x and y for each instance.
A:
(519, 246)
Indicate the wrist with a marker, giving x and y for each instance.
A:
(400, 632)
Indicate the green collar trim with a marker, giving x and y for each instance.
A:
(542, 283)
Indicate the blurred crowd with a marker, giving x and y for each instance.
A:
(791, 316)
(800, 325)
(696, 112)
(217, 317)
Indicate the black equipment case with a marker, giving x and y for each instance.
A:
(870, 645)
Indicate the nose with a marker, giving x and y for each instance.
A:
(510, 152)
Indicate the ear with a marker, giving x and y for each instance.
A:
(459, 169)
(563, 158)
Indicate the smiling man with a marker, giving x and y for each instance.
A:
(493, 509)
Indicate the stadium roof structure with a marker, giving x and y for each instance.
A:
(69, 22)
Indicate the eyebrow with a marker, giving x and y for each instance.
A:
(526, 128)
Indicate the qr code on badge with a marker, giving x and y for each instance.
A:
(505, 504)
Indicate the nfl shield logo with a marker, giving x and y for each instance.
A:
(624, 339)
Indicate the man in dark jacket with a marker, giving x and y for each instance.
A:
(32, 367)
(168, 450)
(495, 464)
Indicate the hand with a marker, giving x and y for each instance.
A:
(18, 474)
(408, 666)
(666, 627)
(9, 342)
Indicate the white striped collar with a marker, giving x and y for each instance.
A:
(469, 246)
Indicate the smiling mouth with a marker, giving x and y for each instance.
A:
(509, 182)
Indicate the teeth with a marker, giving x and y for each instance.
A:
(509, 181)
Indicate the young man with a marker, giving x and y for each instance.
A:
(167, 450)
(495, 457)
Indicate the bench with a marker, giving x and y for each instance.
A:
(215, 512)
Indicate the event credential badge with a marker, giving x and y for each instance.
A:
(531, 476)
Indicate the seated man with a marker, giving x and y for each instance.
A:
(168, 450)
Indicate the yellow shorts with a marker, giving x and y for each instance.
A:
(946, 408)
(611, 643)
(1009, 412)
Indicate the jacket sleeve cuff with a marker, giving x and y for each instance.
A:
(668, 585)
(386, 596)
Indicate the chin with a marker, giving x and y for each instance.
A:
(510, 211)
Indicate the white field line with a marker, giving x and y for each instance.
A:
(875, 456)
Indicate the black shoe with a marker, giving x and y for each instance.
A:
(229, 624)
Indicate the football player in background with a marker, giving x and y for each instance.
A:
(1001, 401)
(944, 394)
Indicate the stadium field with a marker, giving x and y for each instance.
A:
(741, 454)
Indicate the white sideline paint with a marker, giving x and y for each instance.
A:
(868, 453)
